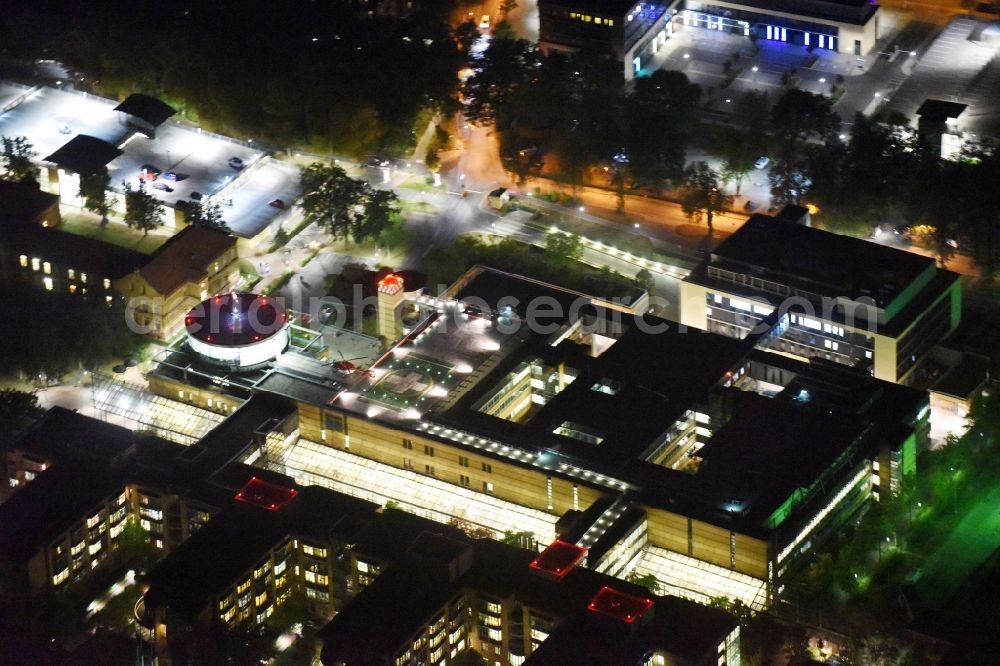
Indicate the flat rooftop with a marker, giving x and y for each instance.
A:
(388, 612)
(816, 261)
(856, 12)
(52, 118)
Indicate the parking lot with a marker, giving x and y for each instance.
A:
(49, 118)
(772, 66)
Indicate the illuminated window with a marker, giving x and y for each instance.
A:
(60, 577)
(48, 283)
(107, 283)
(487, 486)
(83, 278)
(108, 299)
(35, 263)
(47, 268)
(24, 261)
(72, 289)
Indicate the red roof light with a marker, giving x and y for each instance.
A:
(619, 605)
(559, 558)
(266, 495)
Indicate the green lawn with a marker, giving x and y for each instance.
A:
(419, 183)
(972, 541)
(410, 207)
(115, 233)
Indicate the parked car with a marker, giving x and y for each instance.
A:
(236, 163)
(148, 173)
(276, 203)
(163, 187)
(762, 162)
(196, 196)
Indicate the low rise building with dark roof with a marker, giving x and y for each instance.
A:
(848, 300)
(84, 154)
(196, 263)
(145, 112)
(34, 250)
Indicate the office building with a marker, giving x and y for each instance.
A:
(615, 27)
(842, 26)
(824, 295)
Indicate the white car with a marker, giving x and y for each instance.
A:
(761, 162)
(484, 23)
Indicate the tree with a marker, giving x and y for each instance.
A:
(658, 116)
(701, 193)
(379, 214)
(17, 157)
(881, 650)
(331, 198)
(735, 167)
(647, 581)
(564, 247)
(799, 116)
(789, 182)
(199, 215)
(467, 34)
(17, 410)
(501, 71)
(94, 189)
(142, 210)
(645, 279)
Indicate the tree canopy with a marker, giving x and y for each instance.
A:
(94, 189)
(701, 193)
(17, 159)
(142, 210)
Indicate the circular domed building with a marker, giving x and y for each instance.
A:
(237, 331)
